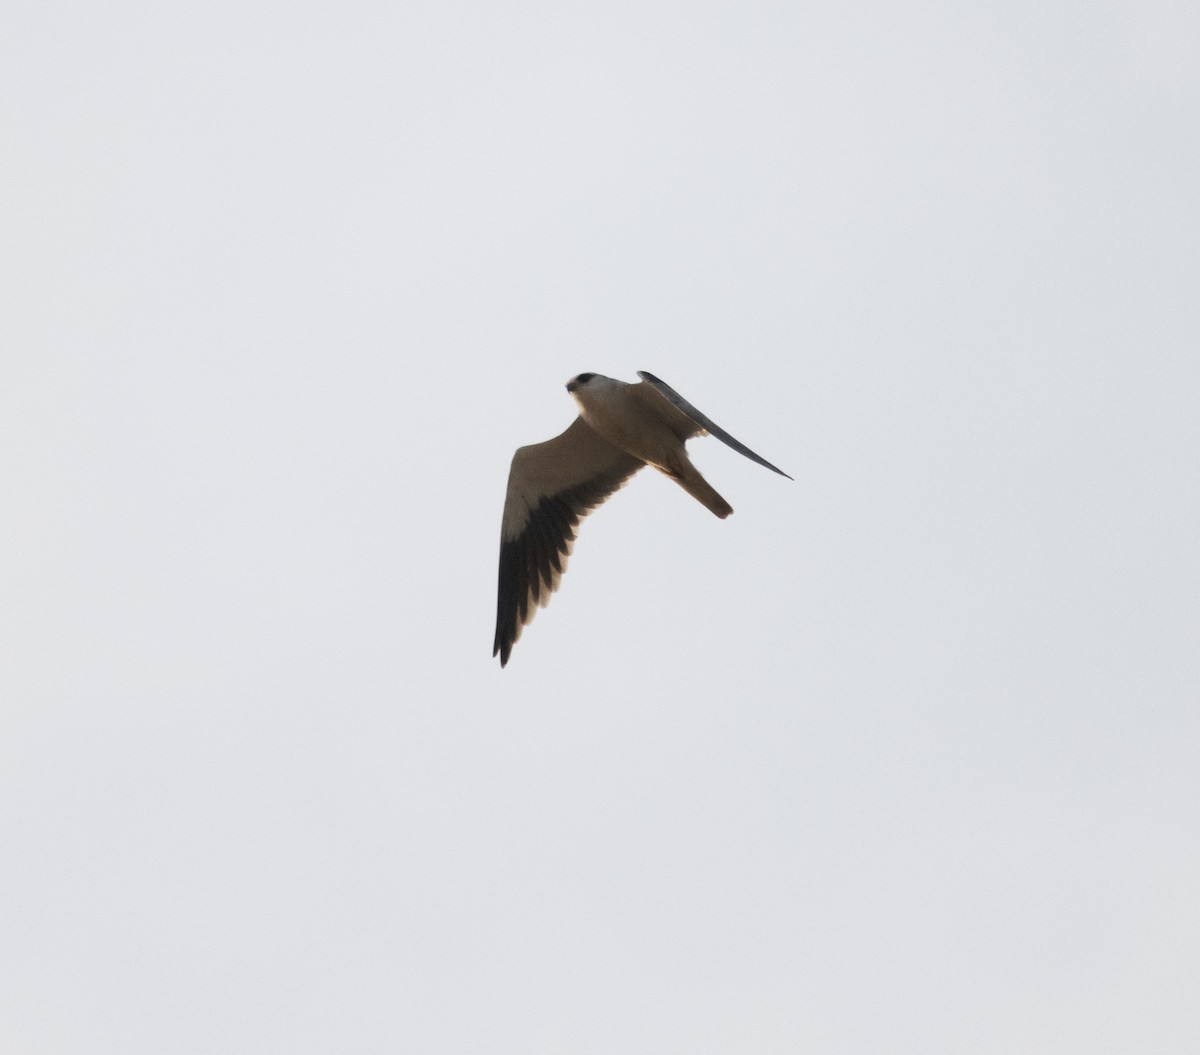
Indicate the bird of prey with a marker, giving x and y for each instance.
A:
(552, 486)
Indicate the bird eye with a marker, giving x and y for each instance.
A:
(583, 379)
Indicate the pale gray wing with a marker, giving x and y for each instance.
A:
(706, 422)
(552, 486)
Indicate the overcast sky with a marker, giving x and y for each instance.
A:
(902, 757)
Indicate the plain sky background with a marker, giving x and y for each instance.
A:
(903, 757)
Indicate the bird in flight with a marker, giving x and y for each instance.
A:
(552, 486)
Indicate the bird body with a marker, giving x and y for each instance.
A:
(553, 485)
(640, 421)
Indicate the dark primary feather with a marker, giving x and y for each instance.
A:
(706, 423)
(532, 564)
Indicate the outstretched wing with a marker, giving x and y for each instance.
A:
(552, 486)
(705, 422)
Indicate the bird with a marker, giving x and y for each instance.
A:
(552, 486)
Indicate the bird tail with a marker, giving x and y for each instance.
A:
(688, 477)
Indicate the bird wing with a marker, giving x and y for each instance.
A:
(552, 486)
(705, 423)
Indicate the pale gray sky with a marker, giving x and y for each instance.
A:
(899, 758)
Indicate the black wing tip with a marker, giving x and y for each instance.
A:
(766, 464)
(532, 563)
(502, 645)
(530, 567)
(714, 430)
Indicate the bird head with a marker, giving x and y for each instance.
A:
(578, 381)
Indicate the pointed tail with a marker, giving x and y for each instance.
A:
(693, 483)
